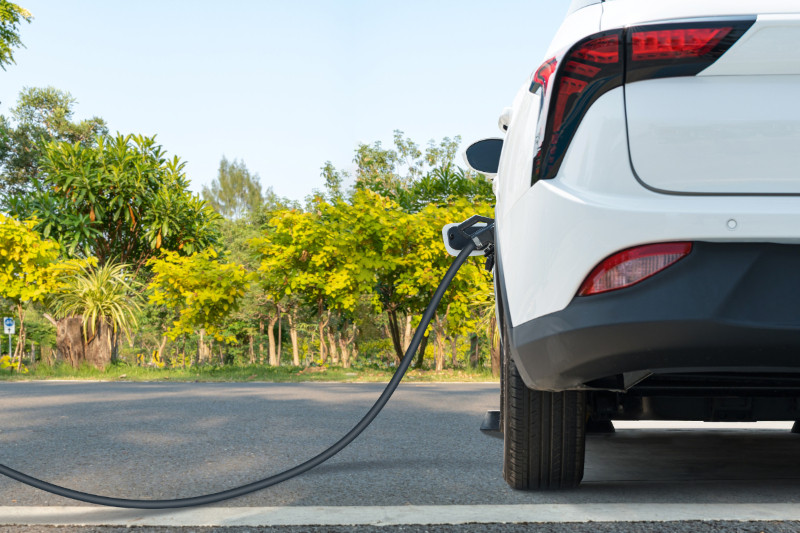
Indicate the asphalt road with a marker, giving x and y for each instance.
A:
(168, 440)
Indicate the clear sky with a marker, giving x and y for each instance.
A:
(283, 85)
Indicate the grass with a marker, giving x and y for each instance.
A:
(230, 373)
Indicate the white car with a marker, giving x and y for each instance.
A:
(648, 226)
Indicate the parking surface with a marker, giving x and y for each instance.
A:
(162, 440)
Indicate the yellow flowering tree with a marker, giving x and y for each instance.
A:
(26, 268)
(200, 289)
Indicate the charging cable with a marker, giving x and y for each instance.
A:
(469, 246)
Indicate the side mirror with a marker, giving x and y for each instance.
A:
(484, 156)
(504, 120)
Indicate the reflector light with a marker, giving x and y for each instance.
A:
(676, 43)
(632, 266)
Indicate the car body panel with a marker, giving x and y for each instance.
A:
(732, 129)
(712, 135)
(559, 230)
(575, 27)
(622, 13)
(768, 48)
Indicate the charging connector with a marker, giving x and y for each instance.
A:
(476, 229)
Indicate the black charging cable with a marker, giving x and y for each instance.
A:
(469, 247)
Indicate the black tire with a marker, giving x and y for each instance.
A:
(502, 383)
(544, 434)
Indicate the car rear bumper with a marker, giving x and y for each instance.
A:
(727, 307)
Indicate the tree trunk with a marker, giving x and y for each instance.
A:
(439, 351)
(394, 329)
(97, 351)
(494, 347)
(474, 351)
(202, 348)
(423, 344)
(293, 335)
(332, 343)
(95, 347)
(261, 341)
(438, 326)
(69, 340)
(345, 352)
(21, 339)
(273, 358)
(115, 346)
(407, 334)
(252, 350)
(199, 353)
(280, 335)
(323, 322)
(344, 344)
(161, 348)
(454, 349)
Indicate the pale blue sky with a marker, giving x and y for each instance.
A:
(283, 86)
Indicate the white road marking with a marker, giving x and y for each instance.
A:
(710, 426)
(396, 515)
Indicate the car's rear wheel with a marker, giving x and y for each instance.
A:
(544, 434)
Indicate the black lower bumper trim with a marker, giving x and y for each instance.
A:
(727, 307)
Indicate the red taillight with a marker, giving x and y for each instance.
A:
(667, 50)
(675, 44)
(587, 61)
(543, 73)
(631, 266)
(604, 61)
(590, 68)
(600, 50)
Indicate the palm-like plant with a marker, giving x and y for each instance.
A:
(102, 294)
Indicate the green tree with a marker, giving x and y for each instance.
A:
(26, 267)
(382, 242)
(334, 180)
(259, 311)
(297, 255)
(119, 199)
(235, 191)
(377, 169)
(11, 16)
(102, 301)
(369, 247)
(411, 176)
(442, 184)
(408, 260)
(42, 115)
(202, 291)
